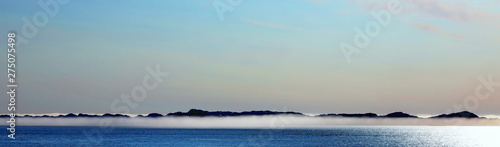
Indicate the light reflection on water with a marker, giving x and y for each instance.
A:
(467, 136)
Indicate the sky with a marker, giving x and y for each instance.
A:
(258, 55)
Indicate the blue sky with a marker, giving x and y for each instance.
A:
(264, 55)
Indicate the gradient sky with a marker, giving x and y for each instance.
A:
(277, 55)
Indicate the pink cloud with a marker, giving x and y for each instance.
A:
(453, 11)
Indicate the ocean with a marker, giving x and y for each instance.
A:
(466, 136)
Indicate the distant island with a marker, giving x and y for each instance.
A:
(203, 113)
(463, 114)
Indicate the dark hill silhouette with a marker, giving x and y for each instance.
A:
(154, 115)
(202, 113)
(114, 115)
(68, 115)
(87, 115)
(399, 115)
(349, 115)
(463, 114)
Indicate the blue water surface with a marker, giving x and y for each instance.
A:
(334, 136)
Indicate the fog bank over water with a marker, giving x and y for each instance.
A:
(276, 121)
(145, 114)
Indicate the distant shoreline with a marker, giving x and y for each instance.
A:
(203, 113)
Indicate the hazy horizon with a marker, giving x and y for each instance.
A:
(264, 122)
(305, 114)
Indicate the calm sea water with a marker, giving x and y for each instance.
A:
(335, 136)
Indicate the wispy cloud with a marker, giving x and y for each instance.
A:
(454, 11)
(272, 25)
(457, 11)
(437, 29)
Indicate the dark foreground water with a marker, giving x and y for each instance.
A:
(335, 136)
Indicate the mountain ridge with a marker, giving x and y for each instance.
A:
(204, 113)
